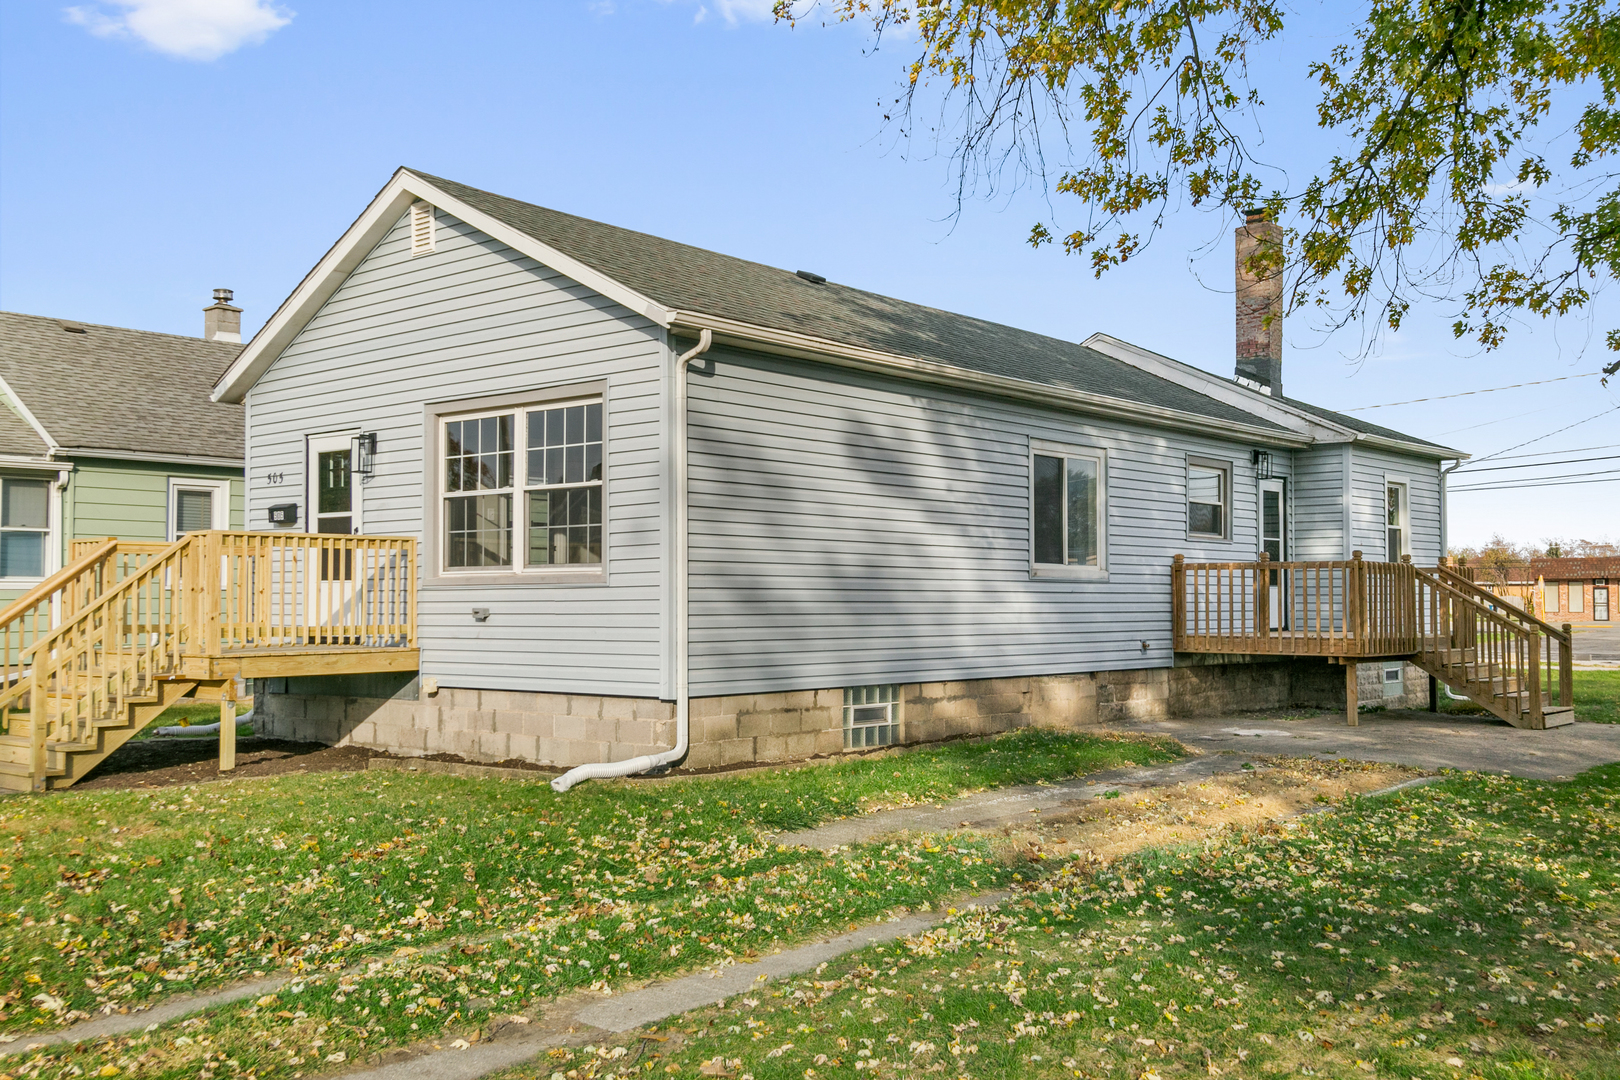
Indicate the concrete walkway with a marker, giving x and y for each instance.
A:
(1419, 739)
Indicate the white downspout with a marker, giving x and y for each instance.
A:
(679, 568)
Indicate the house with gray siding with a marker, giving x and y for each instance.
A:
(674, 507)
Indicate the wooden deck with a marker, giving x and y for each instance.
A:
(95, 653)
(1350, 611)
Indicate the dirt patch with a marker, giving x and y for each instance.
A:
(1142, 817)
(143, 763)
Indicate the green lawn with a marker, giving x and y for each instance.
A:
(1466, 929)
(108, 899)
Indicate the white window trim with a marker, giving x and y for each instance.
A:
(434, 417)
(53, 524)
(1063, 571)
(220, 508)
(1228, 474)
(1405, 484)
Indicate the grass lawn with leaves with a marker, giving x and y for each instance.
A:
(1597, 699)
(1466, 929)
(110, 899)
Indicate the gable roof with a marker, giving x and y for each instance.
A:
(687, 289)
(687, 278)
(120, 391)
(17, 435)
(1366, 428)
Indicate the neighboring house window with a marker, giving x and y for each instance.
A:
(559, 473)
(1067, 510)
(871, 716)
(1577, 596)
(1209, 498)
(197, 505)
(1549, 597)
(24, 527)
(1396, 514)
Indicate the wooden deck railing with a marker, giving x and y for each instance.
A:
(209, 595)
(1353, 609)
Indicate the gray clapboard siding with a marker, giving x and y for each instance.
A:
(1371, 470)
(851, 529)
(1319, 503)
(476, 319)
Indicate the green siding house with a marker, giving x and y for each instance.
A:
(106, 431)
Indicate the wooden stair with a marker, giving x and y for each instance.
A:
(101, 649)
(1503, 696)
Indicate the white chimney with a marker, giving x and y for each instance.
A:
(221, 321)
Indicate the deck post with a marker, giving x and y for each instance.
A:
(1352, 690)
(37, 723)
(1355, 605)
(1178, 601)
(1434, 694)
(1262, 598)
(1537, 720)
(1566, 668)
(227, 727)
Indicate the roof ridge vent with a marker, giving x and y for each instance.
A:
(814, 279)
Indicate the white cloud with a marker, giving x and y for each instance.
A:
(189, 29)
(737, 11)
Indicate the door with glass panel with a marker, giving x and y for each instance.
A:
(334, 509)
(1600, 603)
(1274, 542)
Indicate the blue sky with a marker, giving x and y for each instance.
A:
(151, 150)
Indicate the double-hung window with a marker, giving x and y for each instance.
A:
(24, 527)
(523, 488)
(1068, 511)
(1395, 513)
(1209, 499)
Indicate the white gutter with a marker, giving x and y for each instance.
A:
(803, 346)
(143, 455)
(680, 569)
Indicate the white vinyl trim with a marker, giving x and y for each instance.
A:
(219, 508)
(33, 421)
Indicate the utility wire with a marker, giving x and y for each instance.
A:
(1468, 393)
(1534, 484)
(1571, 450)
(1537, 464)
(1549, 435)
(1534, 481)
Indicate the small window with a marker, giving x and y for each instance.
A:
(24, 527)
(1067, 511)
(193, 511)
(422, 229)
(871, 716)
(1396, 513)
(1394, 680)
(1209, 498)
(1549, 597)
(1577, 596)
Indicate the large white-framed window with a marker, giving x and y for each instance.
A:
(26, 534)
(1398, 520)
(1209, 499)
(198, 505)
(521, 487)
(1068, 503)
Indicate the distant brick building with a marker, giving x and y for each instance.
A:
(1581, 590)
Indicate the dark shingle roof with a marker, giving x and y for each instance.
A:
(1360, 425)
(110, 388)
(691, 279)
(17, 436)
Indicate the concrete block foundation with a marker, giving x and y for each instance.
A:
(389, 712)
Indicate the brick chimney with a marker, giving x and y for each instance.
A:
(221, 321)
(1259, 343)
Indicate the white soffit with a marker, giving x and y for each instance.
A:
(404, 189)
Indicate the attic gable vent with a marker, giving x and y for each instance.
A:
(422, 230)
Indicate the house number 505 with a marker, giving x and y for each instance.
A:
(276, 478)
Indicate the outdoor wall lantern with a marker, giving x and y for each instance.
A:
(362, 454)
(1262, 464)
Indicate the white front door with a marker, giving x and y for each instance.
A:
(1274, 542)
(1600, 603)
(334, 509)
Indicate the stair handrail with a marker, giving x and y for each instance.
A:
(13, 633)
(1500, 604)
(15, 610)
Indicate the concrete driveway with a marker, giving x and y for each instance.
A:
(1598, 646)
(1420, 739)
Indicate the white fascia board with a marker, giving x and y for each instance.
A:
(15, 461)
(357, 242)
(1438, 453)
(802, 346)
(1222, 390)
(28, 416)
(161, 459)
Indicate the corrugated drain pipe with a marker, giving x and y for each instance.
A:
(603, 770)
